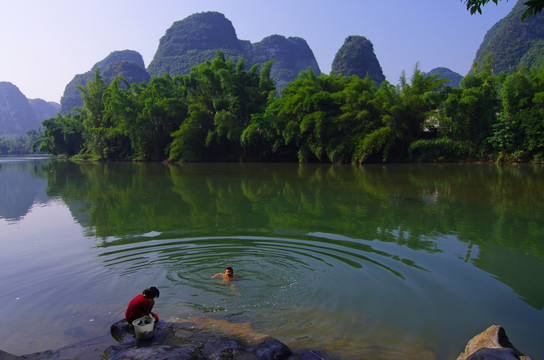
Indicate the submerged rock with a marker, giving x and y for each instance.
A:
(201, 339)
(492, 344)
(210, 339)
(157, 352)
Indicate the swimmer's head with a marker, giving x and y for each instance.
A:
(229, 272)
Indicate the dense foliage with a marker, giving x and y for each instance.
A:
(222, 112)
(532, 7)
(511, 43)
(22, 145)
(126, 63)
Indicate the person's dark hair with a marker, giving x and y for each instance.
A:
(151, 292)
(229, 268)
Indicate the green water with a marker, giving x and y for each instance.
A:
(397, 261)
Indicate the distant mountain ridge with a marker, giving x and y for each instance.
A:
(291, 56)
(190, 42)
(19, 114)
(195, 39)
(512, 43)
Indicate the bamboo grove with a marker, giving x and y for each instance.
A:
(222, 112)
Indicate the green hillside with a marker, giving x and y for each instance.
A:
(512, 43)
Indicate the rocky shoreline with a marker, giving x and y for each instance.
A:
(209, 339)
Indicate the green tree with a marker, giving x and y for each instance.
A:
(360, 114)
(467, 113)
(222, 98)
(121, 108)
(263, 138)
(63, 135)
(404, 113)
(211, 104)
(377, 144)
(163, 109)
(533, 6)
(306, 111)
(189, 141)
(518, 133)
(22, 144)
(93, 107)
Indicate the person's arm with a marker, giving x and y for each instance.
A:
(218, 275)
(156, 316)
(148, 306)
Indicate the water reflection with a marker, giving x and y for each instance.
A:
(22, 184)
(326, 251)
(406, 204)
(403, 202)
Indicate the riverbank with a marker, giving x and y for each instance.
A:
(209, 339)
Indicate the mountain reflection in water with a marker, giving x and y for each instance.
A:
(357, 260)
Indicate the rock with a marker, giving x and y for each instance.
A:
(496, 345)
(7, 356)
(86, 350)
(210, 339)
(200, 339)
(229, 348)
(226, 349)
(494, 354)
(308, 355)
(121, 331)
(160, 352)
(271, 349)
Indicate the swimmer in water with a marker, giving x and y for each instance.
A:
(227, 275)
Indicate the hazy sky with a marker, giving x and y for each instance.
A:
(44, 43)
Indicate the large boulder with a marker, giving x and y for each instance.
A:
(182, 339)
(492, 344)
(201, 339)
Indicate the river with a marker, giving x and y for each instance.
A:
(405, 261)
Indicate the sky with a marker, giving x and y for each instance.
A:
(44, 44)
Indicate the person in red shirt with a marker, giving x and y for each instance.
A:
(142, 305)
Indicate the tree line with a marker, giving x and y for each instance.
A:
(21, 144)
(222, 112)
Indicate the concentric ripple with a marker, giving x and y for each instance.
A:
(280, 280)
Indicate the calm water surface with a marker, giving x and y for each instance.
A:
(397, 261)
